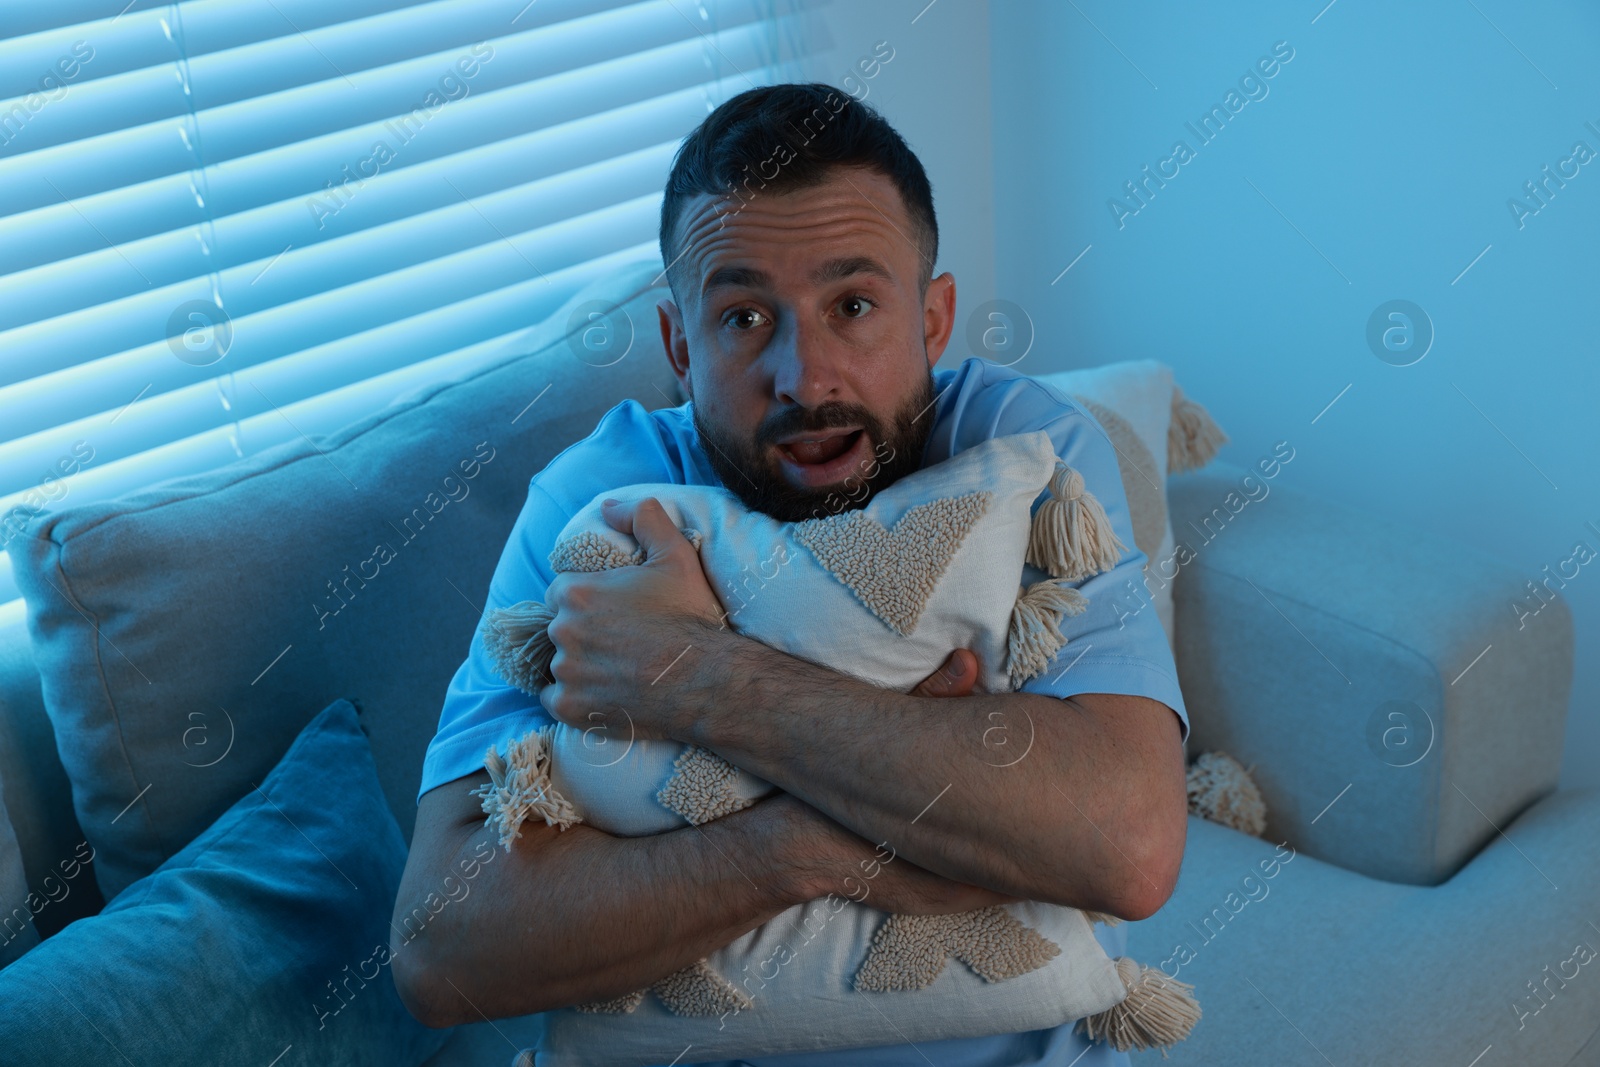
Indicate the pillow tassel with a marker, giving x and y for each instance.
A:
(1035, 635)
(520, 787)
(1158, 1011)
(1222, 791)
(1193, 437)
(1071, 537)
(518, 642)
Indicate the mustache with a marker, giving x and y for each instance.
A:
(826, 417)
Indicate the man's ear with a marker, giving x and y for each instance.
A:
(676, 342)
(938, 315)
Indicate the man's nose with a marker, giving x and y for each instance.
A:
(805, 366)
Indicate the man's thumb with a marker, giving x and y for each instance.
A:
(954, 678)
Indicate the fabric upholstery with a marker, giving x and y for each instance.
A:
(236, 602)
(36, 793)
(268, 932)
(17, 905)
(1358, 665)
(1315, 965)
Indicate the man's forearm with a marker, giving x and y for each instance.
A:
(1025, 794)
(585, 916)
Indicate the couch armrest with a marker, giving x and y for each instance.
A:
(1359, 664)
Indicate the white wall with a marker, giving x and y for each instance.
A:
(935, 91)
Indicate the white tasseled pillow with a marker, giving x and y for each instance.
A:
(1157, 432)
(932, 563)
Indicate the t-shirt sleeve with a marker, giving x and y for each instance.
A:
(1110, 648)
(628, 446)
(481, 708)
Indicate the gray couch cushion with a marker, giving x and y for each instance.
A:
(186, 633)
(1305, 963)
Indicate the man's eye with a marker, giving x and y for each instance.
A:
(854, 307)
(745, 319)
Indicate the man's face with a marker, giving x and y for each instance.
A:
(804, 343)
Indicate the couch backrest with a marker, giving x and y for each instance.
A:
(184, 634)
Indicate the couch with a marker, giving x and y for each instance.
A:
(1429, 890)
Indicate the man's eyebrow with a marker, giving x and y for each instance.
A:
(736, 278)
(831, 271)
(838, 269)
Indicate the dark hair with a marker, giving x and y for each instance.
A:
(819, 127)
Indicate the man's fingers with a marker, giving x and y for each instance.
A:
(648, 522)
(955, 678)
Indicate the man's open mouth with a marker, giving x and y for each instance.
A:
(825, 457)
(812, 450)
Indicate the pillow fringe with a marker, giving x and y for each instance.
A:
(1035, 635)
(520, 787)
(1071, 537)
(517, 639)
(1221, 790)
(1158, 1011)
(1193, 437)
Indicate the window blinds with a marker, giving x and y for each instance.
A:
(226, 223)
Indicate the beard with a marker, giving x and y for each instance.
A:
(751, 472)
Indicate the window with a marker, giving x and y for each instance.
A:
(225, 223)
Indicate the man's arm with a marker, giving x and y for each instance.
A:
(571, 916)
(1093, 816)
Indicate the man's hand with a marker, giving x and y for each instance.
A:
(618, 632)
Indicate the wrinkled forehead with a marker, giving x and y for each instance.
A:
(787, 237)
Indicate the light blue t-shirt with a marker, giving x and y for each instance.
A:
(1109, 649)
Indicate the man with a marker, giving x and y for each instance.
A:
(804, 324)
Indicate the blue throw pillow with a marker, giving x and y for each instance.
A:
(265, 940)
